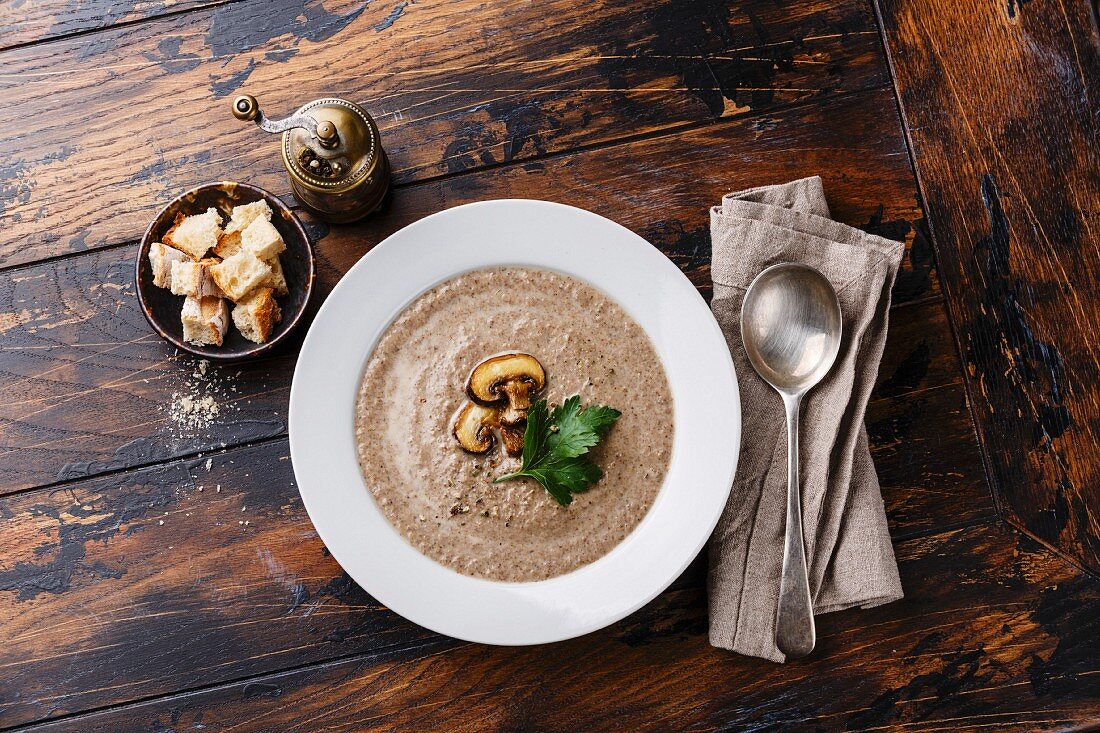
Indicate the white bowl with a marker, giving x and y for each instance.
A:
(539, 234)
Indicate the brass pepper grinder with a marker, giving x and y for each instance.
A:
(333, 156)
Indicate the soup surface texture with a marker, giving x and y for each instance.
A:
(441, 498)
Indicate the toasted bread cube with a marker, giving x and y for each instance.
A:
(161, 258)
(195, 235)
(194, 278)
(245, 214)
(204, 321)
(229, 244)
(262, 239)
(240, 275)
(257, 314)
(276, 280)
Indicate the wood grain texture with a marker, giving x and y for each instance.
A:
(996, 633)
(119, 588)
(1001, 103)
(23, 23)
(454, 86)
(923, 441)
(86, 385)
(141, 584)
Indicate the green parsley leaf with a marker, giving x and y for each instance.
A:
(555, 444)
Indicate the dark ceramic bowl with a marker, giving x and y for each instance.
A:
(162, 309)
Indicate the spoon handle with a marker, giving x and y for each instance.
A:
(794, 619)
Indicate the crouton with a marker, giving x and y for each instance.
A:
(229, 244)
(204, 321)
(195, 235)
(245, 214)
(161, 257)
(240, 274)
(194, 278)
(257, 314)
(262, 239)
(276, 280)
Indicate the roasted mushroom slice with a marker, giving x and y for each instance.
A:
(474, 428)
(512, 437)
(508, 377)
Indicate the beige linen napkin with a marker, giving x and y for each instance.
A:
(851, 561)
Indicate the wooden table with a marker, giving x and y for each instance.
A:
(165, 577)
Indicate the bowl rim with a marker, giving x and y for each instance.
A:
(256, 349)
(596, 250)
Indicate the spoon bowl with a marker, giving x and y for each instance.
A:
(791, 327)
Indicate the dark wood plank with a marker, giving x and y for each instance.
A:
(920, 355)
(923, 440)
(996, 634)
(1001, 105)
(23, 23)
(100, 603)
(86, 384)
(142, 584)
(927, 459)
(487, 84)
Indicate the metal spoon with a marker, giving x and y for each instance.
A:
(791, 326)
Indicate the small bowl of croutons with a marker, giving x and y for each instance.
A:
(225, 271)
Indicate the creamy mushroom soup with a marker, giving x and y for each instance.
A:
(441, 497)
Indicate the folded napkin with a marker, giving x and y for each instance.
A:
(851, 561)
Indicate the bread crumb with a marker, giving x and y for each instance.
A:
(196, 404)
(194, 412)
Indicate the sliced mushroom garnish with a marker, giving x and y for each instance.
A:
(474, 428)
(512, 437)
(511, 378)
